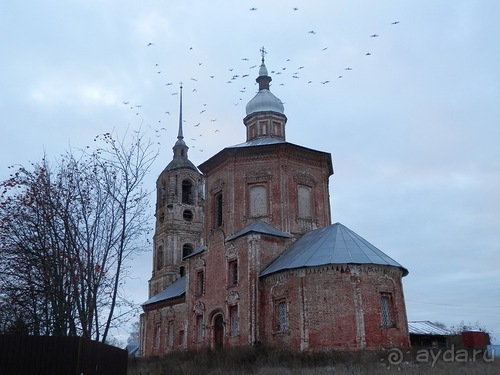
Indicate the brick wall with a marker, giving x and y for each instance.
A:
(163, 328)
(334, 307)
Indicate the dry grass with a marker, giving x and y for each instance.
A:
(263, 361)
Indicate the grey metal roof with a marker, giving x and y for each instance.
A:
(260, 142)
(334, 244)
(197, 251)
(259, 227)
(424, 327)
(176, 289)
(180, 162)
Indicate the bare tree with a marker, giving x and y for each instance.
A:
(134, 333)
(67, 231)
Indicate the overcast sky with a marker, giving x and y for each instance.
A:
(410, 116)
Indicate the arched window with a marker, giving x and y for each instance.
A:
(159, 258)
(187, 192)
(163, 193)
(187, 249)
(304, 202)
(258, 201)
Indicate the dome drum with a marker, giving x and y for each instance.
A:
(265, 125)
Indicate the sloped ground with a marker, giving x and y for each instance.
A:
(261, 361)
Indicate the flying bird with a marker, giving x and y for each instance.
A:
(348, 68)
(126, 103)
(253, 8)
(150, 44)
(312, 32)
(368, 54)
(325, 82)
(395, 23)
(295, 8)
(374, 36)
(324, 49)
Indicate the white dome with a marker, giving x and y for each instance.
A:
(264, 101)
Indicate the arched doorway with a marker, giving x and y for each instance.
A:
(218, 331)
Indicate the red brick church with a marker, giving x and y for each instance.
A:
(245, 252)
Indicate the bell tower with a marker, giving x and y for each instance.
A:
(179, 215)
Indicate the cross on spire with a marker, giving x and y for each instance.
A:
(263, 52)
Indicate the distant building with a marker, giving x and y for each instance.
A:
(426, 334)
(245, 252)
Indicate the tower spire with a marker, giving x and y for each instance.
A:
(179, 135)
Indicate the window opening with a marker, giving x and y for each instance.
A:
(305, 202)
(233, 317)
(159, 258)
(233, 273)
(218, 210)
(170, 334)
(258, 201)
(187, 215)
(385, 308)
(282, 318)
(187, 249)
(200, 288)
(187, 192)
(158, 336)
(199, 328)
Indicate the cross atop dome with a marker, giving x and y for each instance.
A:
(263, 53)
(265, 108)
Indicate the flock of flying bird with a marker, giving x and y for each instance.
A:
(206, 120)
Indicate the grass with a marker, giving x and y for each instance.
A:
(264, 361)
